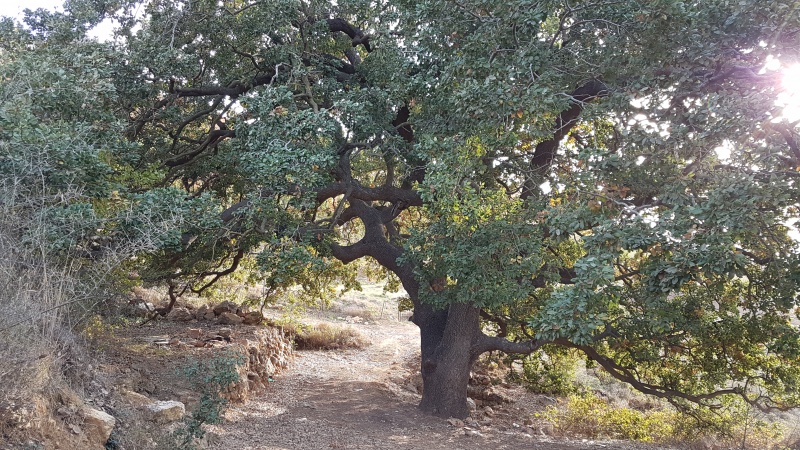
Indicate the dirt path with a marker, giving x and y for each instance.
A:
(356, 399)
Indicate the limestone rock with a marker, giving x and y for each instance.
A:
(488, 395)
(225, 332)
(473, 433)
(497, 395)
(166, 411)
(98, 425)
(135, 399)
(200, 313)
(180, 314)
(458, 423)
(253, 318)
(194, 333)
(224, 307)
(229, 318)
(265, 352)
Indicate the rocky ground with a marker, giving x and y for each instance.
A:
(366, 399)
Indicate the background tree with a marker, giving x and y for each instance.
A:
(613, 177)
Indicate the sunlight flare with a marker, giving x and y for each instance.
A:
(789, 98)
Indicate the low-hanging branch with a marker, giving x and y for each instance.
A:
(202, 113)
(763, 403)
(237, 259)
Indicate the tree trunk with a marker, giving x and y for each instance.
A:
(447, 337)
(447, 356)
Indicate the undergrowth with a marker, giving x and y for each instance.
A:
(548, 371)
(736, 426)
(588, 415)
(211, 377)
(325, 337)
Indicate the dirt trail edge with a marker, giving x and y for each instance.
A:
(359, 399)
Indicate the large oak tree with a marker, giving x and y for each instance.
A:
(614, 177)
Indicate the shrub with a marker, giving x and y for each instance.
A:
(549, 371)
(327, 337)
(210, 377)
(591, 416)
(734, 426)
(60, 252)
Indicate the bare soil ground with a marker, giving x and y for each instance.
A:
(361, 399)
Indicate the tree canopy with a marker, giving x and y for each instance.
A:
(610, 176)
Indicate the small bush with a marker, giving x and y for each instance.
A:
(734, 426)
(327, 337)
(549, 371)
(210, 377)
(591, 416)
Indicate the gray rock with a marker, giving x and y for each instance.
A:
(201, 312)
(475, 433)
(134, 399)
(252, 318)
(166, 411)
(243, 310)
(458, 423)
(229, 318)
(98, 425)
(225, 332)
(224, 307)
(180, 314)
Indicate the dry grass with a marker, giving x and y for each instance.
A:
(324, 336)
(36, 343)
(46, 295)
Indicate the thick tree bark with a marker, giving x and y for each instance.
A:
(447, 357)
(448, 338)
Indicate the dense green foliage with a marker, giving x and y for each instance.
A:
(556, 164)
